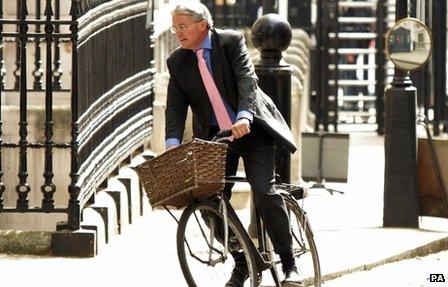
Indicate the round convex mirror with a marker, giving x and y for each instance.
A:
(409, 44)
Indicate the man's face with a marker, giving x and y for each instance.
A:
(189, 33)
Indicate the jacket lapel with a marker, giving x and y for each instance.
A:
(217, 65)
(191, 69)
(192, 75)
(192, 79)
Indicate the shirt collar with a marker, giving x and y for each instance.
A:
(207, 43)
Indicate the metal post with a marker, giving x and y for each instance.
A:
(299, 14)
(318, 68)
(2, 186)
(439, 65)
(48, 188)
(333, 105)
(17, 62)
(269, 6)
(272, 35)
(37, 73)
(400, 184)
(23, 188)
(74, 212)
(225, 14)
(417, 76)
(57, 70)
(427, 69)
(380, 61)
(325, 73)
(152, 47)
(252, 7)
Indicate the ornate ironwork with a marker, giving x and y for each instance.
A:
(17, 63)
(131, 101)
(57, 70)
(37, 73)
(23, 188)
(74, 211)
(48, 188)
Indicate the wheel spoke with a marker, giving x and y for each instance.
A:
(304, 248)
(201, 249)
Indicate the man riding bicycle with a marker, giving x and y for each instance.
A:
(213, 74)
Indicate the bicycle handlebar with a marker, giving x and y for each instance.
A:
(221, 136)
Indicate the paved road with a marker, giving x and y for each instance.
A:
(407, 273)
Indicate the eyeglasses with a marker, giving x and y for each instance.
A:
(182, 27)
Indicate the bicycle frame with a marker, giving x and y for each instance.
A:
(259, 260)
(261, 233)
(226, 209)
(261, 254)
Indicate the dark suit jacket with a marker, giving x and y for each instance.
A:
(235, 78)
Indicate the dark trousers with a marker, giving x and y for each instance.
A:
(257, 150)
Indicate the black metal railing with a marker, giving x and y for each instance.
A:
(430, 80)
(23, 38)
(440, 107)
(111, 92)
(380, 61)
(37, 38)
(434, 104)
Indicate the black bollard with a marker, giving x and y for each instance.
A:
(271, 34)
(400, 178)
(400, 173)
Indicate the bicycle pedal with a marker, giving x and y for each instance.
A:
(234, 245)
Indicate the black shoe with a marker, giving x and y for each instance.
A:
(292, 278)
(240, 273)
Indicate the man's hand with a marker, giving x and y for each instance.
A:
(241, 128)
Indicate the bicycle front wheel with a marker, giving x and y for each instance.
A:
(305, 251)
(203, 258)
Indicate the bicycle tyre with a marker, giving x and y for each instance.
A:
(191, 213)
(299, 221)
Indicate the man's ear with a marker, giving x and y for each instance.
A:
(203, 25)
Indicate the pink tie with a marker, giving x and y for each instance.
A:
(221, 114)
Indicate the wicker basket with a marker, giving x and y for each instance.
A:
(193, 170)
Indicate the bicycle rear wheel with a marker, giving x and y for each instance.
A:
(201, 254)
(305, 251)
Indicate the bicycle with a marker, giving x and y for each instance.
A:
(206, 261)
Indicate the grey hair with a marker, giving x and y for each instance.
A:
(196, 10)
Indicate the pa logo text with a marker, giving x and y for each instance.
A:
(436, 278)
